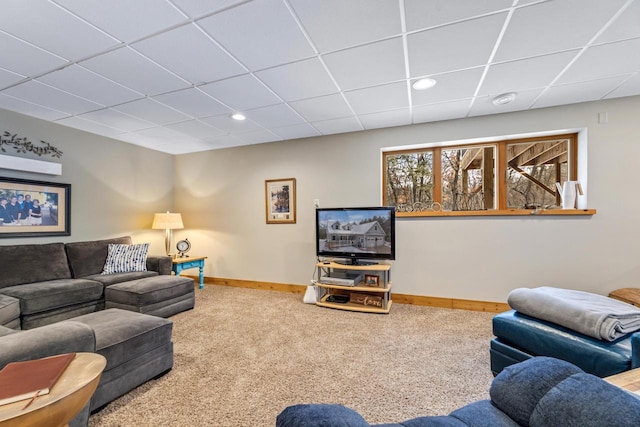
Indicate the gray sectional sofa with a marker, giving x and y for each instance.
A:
(56, 293)
(57, 281)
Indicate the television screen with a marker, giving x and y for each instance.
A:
(356, 233)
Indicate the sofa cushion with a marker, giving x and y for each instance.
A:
(149, 291)
(112, 279)
(320, 415)
(33, 263)
(6, 331)
(126, 258)
(87, 258)
(483, 410)
(48, 295)
(585, 400)
(9, 310)
(125, 335)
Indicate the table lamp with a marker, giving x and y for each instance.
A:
(167, 221)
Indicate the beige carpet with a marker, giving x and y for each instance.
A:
(243, 355)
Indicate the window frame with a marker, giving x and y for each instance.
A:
(500, 178)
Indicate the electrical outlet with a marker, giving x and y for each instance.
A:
(316, 203)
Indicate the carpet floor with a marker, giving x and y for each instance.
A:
(243, 355)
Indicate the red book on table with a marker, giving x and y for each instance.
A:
(26, 380)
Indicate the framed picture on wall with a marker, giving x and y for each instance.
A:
(34, 208)
(280, 196)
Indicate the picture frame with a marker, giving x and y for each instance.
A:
(372, 280)
(50, 216)
(280, 200)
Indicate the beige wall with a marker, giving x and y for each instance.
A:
(221, 196)
(115, 187)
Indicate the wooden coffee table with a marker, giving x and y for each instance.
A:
(68, 396)
(628, 380)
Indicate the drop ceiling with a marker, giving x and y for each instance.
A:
(168, 74)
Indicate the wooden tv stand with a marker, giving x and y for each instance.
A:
(373, 299)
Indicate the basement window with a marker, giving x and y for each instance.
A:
(508, 177)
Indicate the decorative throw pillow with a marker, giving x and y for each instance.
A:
(126, 258)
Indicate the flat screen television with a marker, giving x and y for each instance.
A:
(355, 235)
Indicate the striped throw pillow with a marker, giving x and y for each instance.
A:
(126, 258)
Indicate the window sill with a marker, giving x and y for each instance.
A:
(505, 212)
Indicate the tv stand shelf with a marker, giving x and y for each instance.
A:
(374, 299)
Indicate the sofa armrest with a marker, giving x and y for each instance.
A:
(45, 341)
(161, 264)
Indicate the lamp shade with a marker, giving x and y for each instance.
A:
(167, 221)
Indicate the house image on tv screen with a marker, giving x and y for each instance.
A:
(369, 236)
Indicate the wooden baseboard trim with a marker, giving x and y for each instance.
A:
(459, 304)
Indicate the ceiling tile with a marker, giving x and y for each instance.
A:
(274, 116)
(224, 141)
(386, 119)
(449, 86)
(163, 135)
(322, 108)
(604, 61)
(346, 124)
(53, 29)
(629, 87)
(241, 93)
(336, 24)
(296, 131)
(198, 8)
(124, 19)
(89, 126)
(258, 137)
(578, 92)
(140, 74)
(625, 26)
(152, 111)
(483, 105)
(8, 78)
(190, 54)
(299, 80)
(554, 26)
(380, 98)
(116, 119)
(368, 65)
(227, 124)
(442, 111)
(195, 129)
(424, 14)
(261, 34)
(193, 102)
(49, 97)
(25, 59)
(525, 73)
(29, 108)
(87, 84)
(454, 47)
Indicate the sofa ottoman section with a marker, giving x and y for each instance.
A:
(161, 296)
(9, 312)
(137, 347)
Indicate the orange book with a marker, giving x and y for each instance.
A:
(32, 378)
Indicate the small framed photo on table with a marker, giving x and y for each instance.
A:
(280, 196)
(371, 280)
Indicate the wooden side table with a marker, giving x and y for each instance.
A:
(68, 396)
(628, 380)
(180, 264)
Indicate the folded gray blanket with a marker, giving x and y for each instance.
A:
(590, 314)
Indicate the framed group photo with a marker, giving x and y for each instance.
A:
(280, 196)
(34, 208)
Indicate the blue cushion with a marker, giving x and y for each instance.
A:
(518, 388)
(320, 415)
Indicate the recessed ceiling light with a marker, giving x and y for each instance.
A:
(505, 98)
(423, 84)
(238, 116)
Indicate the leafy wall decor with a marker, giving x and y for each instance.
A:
(23, 145)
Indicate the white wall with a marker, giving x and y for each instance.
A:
(221, 196)
(115, 187)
